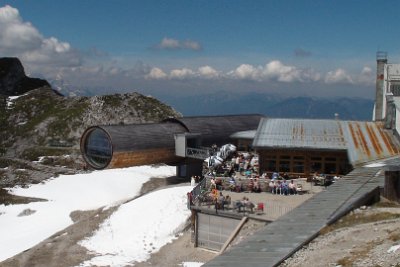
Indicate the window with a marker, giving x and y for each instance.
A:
(98, 149)
(284, 166)
(330, 159)
(271, 165)
(316, 167)
(395, 88)
(330, 168)
(298, 167)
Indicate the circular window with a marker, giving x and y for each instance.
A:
(98, 148)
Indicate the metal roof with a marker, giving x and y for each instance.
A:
(363, 141)
(300, 133)
(217, 129)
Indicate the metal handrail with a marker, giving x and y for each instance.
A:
(197, 153)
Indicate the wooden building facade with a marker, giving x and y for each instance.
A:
(303, 163)
(302, 147)
(117, 146)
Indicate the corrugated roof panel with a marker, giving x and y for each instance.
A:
(368, 141)
(300, 133)
(364, 141)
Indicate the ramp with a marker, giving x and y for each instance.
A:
(283, 237)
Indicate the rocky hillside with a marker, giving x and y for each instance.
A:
(39, 124)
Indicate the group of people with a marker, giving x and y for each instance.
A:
(282, 187)
(219, 200)
(194, 180)
(245, 163)
(243, 204)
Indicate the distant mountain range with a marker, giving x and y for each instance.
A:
(272, 106)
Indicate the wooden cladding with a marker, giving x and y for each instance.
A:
(303, 163)
(143, 157)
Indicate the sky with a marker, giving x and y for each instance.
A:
(324, 48)
(116, 242)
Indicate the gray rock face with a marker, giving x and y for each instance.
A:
(13, 80)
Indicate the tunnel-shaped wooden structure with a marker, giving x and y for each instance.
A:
(116, 146)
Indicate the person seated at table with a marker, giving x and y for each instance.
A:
(285, 188)
(248, 204)
(227, 200)
(257, 187)
(278, 188)
(239, 205)
(232, 184)
(221, 201)
(213, 184)
(272, 187)
(292, 188)
(250, 185)
(218, 183)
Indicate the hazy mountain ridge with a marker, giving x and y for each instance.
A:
(272, 106)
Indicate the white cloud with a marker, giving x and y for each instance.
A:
(21, 39)
(245, 72)
(208, 72)
(156, 73)
(169, 43)
(367, 76)
(274, 70)
(338, 76)
(173, 44)
(16, 35)
(181, 73)
(188, 44)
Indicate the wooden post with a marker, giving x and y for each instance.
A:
(233, 235)
(391, 189)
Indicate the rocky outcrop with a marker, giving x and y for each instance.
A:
(40, 125)
(13, 80)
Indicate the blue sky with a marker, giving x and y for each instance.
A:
(323, 48)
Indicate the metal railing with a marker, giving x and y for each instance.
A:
(196, 192)
(197, 153)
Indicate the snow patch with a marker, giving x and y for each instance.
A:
(393, 249)
(139, 228)
(68, 193)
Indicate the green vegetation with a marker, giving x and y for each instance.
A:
(151, 109)
(41, 118)
(112, 100)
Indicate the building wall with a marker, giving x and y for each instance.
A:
(392, 186)
(243, 144)
(303, 163)
(380, 92)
